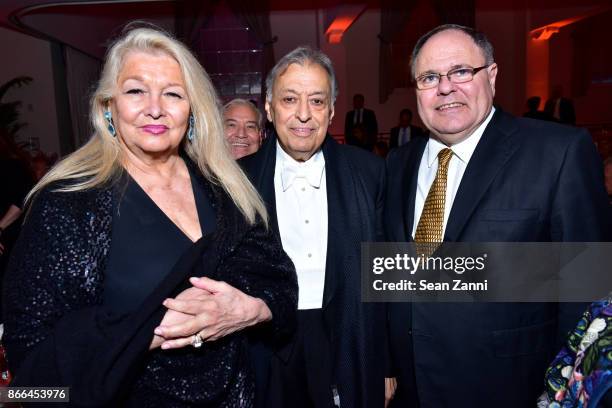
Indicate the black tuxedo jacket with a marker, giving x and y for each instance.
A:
(355, 189)
(370, 125)
(526, 181)
(415, 132)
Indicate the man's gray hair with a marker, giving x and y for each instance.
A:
(303, 55)
(479, 38)
(248, 104)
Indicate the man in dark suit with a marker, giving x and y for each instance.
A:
(608, 177)
(405, 132)
(324, 199)
(559, 108)
(496, 178)
(533, 111)
(360, 121)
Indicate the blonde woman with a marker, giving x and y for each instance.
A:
(99, 296)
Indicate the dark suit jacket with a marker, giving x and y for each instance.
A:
(355, 189)
(58, 332)
(370, 125)
(526, 181)
(567, 113)
(415, 132)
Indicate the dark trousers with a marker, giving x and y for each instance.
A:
(304, 380)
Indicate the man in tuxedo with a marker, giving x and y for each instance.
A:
(364, 120)
(405, 132)
(324, 199)
(494, 177)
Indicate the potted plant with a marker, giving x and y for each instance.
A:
(9, 111)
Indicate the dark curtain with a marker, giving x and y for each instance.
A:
(592, 59)
(256, 16)
(394, 15)
(191, 16)
(581, 63)
(62, 99)
(461, 12)
(82, 73)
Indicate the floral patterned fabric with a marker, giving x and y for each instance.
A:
(581, 373)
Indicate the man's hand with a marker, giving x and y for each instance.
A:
(215, 309)
(390, 387)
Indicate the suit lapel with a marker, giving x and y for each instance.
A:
(492, 152)
(342, 214)
(409, 181)
(265, 179)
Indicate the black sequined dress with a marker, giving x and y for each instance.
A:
(58, 332)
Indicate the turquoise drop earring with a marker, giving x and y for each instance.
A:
(109, 120)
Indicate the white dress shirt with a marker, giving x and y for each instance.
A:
(462, 153)
(358, 116)
(301, 209)
(404, 136)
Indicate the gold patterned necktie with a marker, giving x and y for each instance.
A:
(430, 224)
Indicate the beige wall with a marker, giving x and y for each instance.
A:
(362, 45)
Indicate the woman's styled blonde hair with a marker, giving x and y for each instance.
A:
(99, 161)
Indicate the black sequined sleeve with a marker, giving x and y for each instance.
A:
(56, 332)
(48, 272)
(259, 267)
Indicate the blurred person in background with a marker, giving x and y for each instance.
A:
(364, 118)
(15, 182)
(533, 112)
(242, 123)
(608, 177)
(559, 108)
(40, 163)
(405, 131)
(381, 149)
(581, 373)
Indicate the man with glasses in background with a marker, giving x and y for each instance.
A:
(483, 176)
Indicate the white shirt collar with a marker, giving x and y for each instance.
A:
(464, 149)
(311, 169)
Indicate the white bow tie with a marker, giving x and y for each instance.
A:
(312, 172)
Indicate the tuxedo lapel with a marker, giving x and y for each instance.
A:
(342, 211)
(264, 180)
(492, 152)
(408, 183)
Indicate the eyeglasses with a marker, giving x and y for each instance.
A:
(456, 76)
